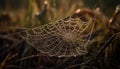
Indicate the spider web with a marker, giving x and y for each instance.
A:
(63, 38)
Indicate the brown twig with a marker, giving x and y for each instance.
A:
(99, 52)
(117, 11)
(25, 58)
(2, 64)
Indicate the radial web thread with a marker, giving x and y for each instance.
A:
(63, 38)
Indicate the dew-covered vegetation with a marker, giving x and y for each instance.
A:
(59, 34)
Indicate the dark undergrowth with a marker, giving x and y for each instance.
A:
(19, 15)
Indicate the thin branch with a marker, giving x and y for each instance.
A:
(101, 50)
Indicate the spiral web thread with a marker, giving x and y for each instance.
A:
(63, 38)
